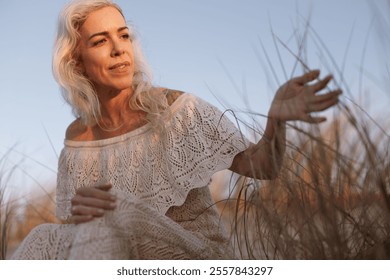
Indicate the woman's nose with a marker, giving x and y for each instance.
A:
(117, 48)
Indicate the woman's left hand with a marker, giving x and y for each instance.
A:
(91, 202)
(297, 99)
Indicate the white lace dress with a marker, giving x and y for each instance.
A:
(165, 210)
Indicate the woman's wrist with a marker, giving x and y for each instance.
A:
(274, 128)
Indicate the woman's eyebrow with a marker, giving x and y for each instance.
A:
(105, 33)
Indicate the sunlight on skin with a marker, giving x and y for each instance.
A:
(183, 56)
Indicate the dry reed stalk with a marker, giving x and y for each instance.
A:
(331, 199)
(18, 217)
(323, 205)
(5, 217)
(6, 209)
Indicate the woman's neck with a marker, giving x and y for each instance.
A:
(114, 105)
(116, 115)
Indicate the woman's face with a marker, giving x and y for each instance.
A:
(106, 52)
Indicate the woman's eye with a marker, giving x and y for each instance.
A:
(99, 42)
(126, 36)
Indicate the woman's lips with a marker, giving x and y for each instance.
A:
(120, 67)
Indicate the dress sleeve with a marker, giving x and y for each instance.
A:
(201, 141)
(62, 195)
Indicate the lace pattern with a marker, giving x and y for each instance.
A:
(165, 210)
(159, 169)
(132, 231)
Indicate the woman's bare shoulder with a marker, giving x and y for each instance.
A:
(171, 94)
(77, 131)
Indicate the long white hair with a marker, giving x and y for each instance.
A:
(76, 89)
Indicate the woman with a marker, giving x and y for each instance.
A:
(133, 175)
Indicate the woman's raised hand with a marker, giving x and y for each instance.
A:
(297, 99)
(91, 202)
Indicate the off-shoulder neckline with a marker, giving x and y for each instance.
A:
(131, 134)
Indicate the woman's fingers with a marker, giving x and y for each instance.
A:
(334, 94)
(100, 192)
(82, 210)
(105, 187)
(299, 97)
(95, 196)
(83, 214)
(91, 202)
(313, 120)
(307, 77)
(321, 84)
(322, 102)
(94, 202)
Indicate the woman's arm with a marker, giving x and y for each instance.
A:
(263, 160)
(295, 100)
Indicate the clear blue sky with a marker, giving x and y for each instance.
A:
(188, 45)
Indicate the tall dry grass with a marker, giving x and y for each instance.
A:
(19, 214)
(6, 209)
(331, 199)
(5, 217)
